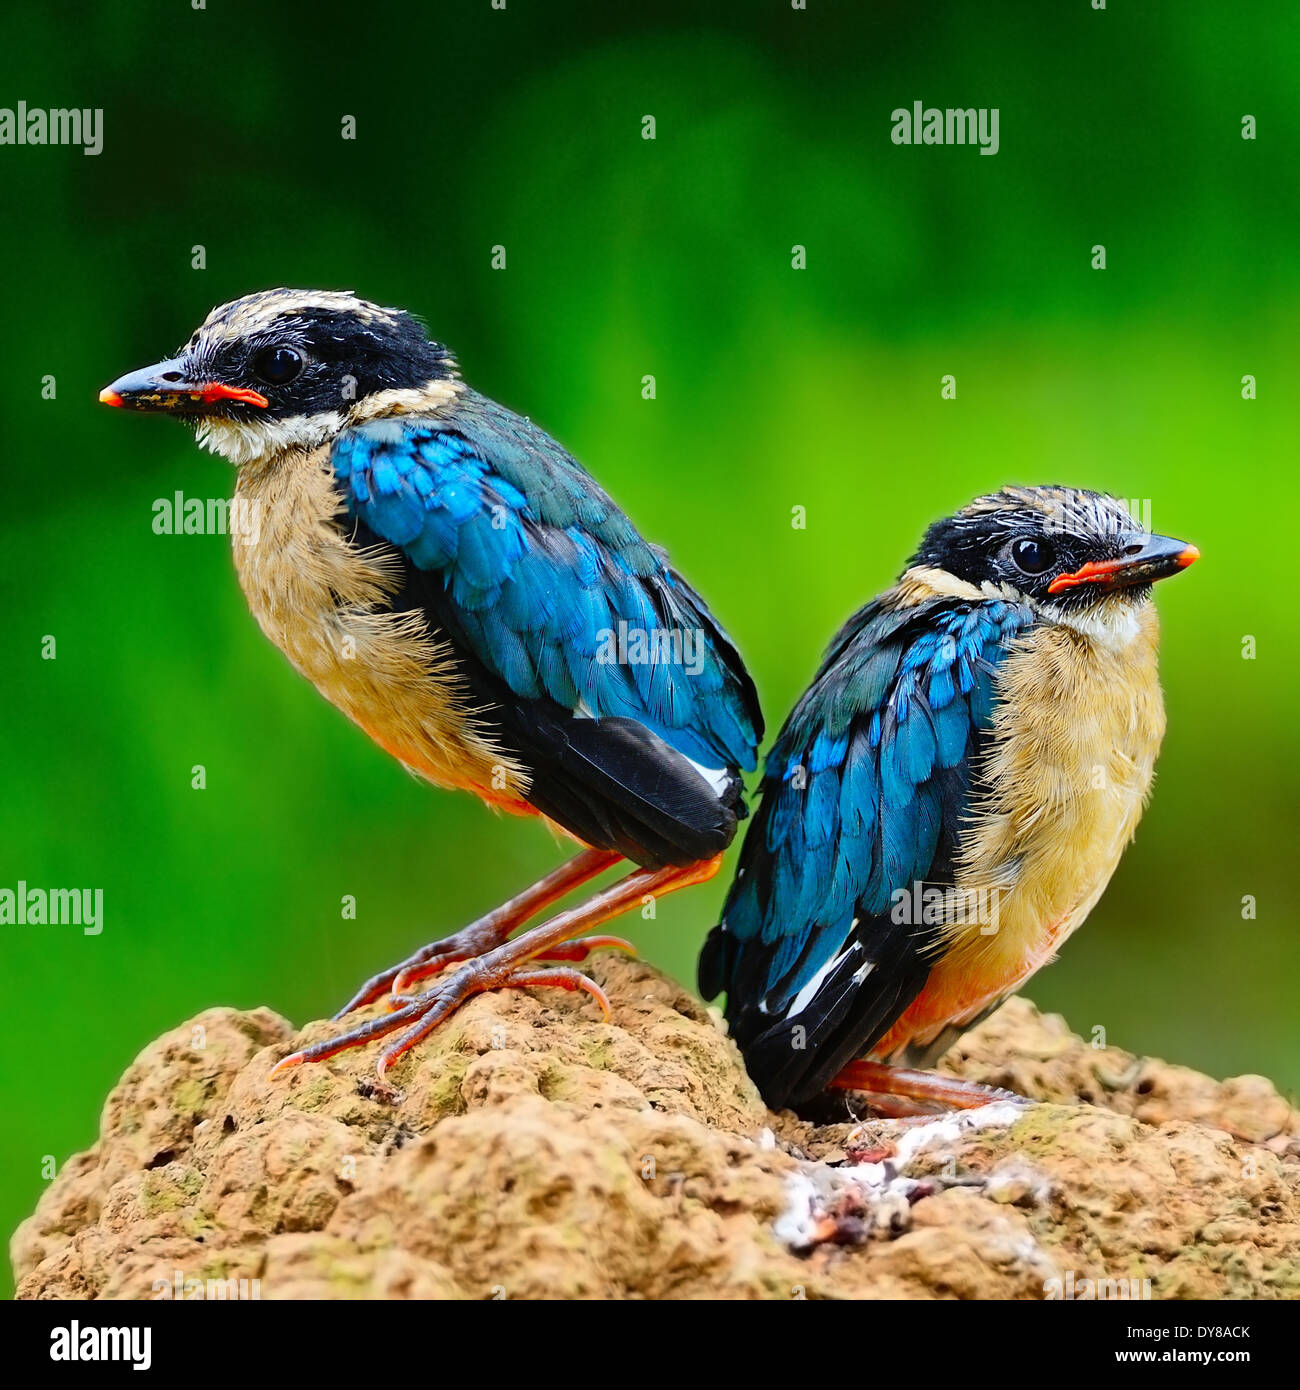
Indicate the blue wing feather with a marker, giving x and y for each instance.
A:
(863, 794)
(542, 568)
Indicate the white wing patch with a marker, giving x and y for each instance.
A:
(809, 992)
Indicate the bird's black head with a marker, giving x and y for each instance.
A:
(1060, 548)
(288, 369)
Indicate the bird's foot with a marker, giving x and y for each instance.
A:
(401, 977)
(421, 1014)
(578, 949)
(483, 935)
(408, 974)
(475, 940)
(509, 966)
(896, 1092)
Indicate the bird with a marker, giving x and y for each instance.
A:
(947, 800)
(452, 579)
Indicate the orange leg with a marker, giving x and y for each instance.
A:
(501, 967)
(903, 1091)
(578, 949)
(489, 931)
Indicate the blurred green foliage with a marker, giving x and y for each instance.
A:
(777, 388)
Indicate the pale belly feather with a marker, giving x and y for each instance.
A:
(1072, 753)
(322, 601)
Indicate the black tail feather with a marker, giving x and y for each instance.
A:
(611, 782)
(617, 785)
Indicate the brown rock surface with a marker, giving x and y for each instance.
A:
(540, 1153)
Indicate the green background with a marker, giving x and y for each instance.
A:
(777, 388)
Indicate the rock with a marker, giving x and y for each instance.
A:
(541, 1153)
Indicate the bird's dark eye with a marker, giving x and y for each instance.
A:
(1032, 554)
(277, 366)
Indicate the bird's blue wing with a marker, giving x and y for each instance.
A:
(863, 794)
(546, 581)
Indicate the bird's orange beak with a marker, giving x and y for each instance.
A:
(170, 387)
(1143, 560)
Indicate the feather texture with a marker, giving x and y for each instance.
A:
(864, 794)
(605, 671)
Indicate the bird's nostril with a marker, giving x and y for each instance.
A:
(169, 376)
(1134, 549)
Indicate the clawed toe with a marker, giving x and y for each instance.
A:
(584, 946)
(428, 960)
(422, 1013)
(492, 962)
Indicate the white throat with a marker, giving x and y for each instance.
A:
(1112, 624)
(247, 441)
